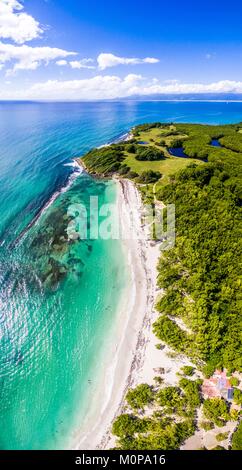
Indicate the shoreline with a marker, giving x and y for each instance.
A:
(134, 337)
(135, 341)
(143, 260)
(134, 320)
(146, 357)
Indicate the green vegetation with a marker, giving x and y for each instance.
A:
(208, 370)
(159, 380)
(218, 448)
(188, 370)
(139, 397)
(234, 414)
(166, 330)
(198, 141)
(234, 381)
(160, 435)
(131, 175)
(159, 430)
(147, 127)
(149, 176)
(222, 436)
(216, 409)
(207, 425)
(135, 157)
(237, 396)
(202, 273)
(149, 154)
(237, 438)
(233, 142)
(169, 396)
(191, 389)
(168, 426)
(131, 148)
(166, 167)
(105, 160)
(127, 425)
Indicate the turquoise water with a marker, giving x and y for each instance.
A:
(59, 300)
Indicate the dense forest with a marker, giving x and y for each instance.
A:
(202, 274)
(161, 430)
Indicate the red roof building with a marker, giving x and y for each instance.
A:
(217, 386)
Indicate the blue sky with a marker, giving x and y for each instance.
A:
(66, 49)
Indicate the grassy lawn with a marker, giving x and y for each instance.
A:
(150, 136)
(125, 157)
(166, 167)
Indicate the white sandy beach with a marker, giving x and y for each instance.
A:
(135, 314)
(133, 351)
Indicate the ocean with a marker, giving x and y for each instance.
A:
(59, 301)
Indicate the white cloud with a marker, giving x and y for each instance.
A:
(29, 58)
(16, 24)
(21, 27)
(110, 60)
(112, 86)
(171, 81)
(61, 62)
(82, 64)
(97, 87)
(149, 60)
(223, 86)
(77, 64)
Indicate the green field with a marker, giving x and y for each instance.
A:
(123, 158)
(170, 164)
(167, 166)
(105, 161)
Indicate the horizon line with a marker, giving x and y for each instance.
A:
(117, 100)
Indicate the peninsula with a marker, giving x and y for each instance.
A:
(184, 384)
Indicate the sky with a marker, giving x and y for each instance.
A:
(106, 49)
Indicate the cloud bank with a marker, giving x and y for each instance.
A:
(114, 87)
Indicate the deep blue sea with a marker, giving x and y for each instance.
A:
(58, 302)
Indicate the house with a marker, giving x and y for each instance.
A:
(218, 386)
